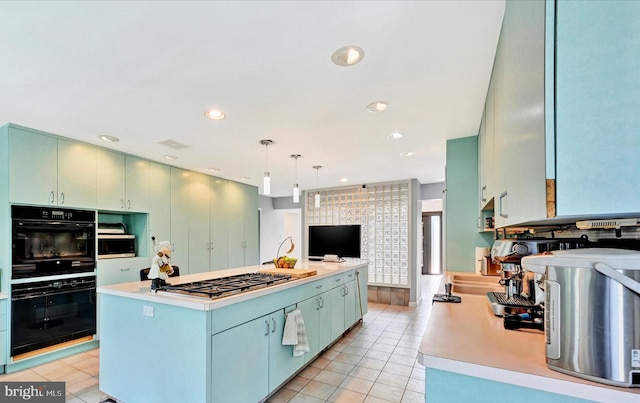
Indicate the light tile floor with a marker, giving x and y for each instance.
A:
(375, 362)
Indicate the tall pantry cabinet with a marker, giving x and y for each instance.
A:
(560, 137)
(242, 209)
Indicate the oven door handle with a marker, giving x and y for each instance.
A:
(49, 224)
(50, 293)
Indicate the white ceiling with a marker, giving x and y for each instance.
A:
(147, 72)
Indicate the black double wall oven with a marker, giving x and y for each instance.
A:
(53, 278)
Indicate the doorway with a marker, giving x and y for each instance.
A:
(432, 242)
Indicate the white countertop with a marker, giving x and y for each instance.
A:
(466, 338)
(142, 289)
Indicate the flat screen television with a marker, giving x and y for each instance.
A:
(341, 240)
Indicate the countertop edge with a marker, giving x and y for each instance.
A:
(522, 379)
(4, 295)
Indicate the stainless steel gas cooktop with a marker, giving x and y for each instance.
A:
(226, 286)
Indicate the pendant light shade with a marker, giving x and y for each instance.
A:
(316, 198)
(266, 183)
(296, 193)
(296, 188)
(266, 180)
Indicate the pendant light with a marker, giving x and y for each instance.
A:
(296, 188)
(316, 198)
(266, 180)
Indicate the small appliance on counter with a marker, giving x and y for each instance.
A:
(114, 241)
(592, 311)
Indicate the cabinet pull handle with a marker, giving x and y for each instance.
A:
(128, 204)
(346, 290)
(319, 286)
(484, 196)
(322, 301)
(318, 301)
(500, 213)
(338, 279)
(121, 204)
(274, 325)
(62, 198)
(351, 275)
(266, 322)
(126, 269)
(52, 197)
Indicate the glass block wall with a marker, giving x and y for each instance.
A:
(383, 212)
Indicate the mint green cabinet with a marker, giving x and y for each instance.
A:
(111, 180)
(282, 363)
(49, 171)
(180, 219)
(33, 167)
(335, 301)
(520, 192)
(123, 182)
(240, 359)
(118, 271)
(160, 202)
(597, 83)
(252, 351)
(199, 245)
(3, 332)
(219, 224)
(310, 313)
(242, 204)
(350, 302)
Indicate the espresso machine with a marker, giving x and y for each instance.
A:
(521, 302)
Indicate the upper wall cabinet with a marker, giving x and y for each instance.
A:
(597, 119)
(123, 182)
(562, 108)
(519, 136)
(45, 170)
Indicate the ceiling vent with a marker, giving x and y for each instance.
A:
(173, 144)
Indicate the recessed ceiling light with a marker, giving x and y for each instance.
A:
(347, 56)
(343, 180)
(395, 136)
(378, 106)
(214, 169)
(215, 114)
(408, 154)
(170, 157)
(110, 139)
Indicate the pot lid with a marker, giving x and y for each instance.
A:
(619, 259)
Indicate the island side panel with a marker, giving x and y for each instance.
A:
(159, 358)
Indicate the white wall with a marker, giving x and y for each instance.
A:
(275, 226)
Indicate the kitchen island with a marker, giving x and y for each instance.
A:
(161, 347)
(470, 357)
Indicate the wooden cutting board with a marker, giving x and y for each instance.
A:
(295, 273)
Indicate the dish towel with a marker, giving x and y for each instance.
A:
(295, 334)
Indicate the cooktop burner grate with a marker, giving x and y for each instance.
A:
(226, 286)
